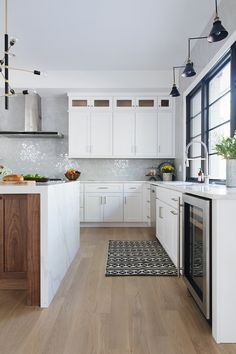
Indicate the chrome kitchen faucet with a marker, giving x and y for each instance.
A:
(187, 159)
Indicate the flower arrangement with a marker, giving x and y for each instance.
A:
(167, 169)
(226, 147)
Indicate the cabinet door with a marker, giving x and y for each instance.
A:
(146, 135)
(165, 134)
(79, 103)
(79, 134)
(101, 134)
(133, 207)
(93, 207)
(164, 103)
(172, 219)
(101, 104)
(123, 134)
(146, 104)
(160, 221)
(124, 103)
(113, 207)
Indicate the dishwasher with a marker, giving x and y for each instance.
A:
(153, 209)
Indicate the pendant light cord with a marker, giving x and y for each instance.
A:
(6, 17)
(216, 5)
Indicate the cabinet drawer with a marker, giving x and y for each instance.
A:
(103, 188)
(132, 187)
(169, 196)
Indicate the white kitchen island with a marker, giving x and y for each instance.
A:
(59, 231)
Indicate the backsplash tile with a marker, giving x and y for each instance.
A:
(50, 156)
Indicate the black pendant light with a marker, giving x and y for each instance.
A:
(189, 68)
(174, 91)
(218, 32)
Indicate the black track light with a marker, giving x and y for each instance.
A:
(218, 32)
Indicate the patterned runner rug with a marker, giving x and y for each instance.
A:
(138, 258)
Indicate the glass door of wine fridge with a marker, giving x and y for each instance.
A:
(197, 253)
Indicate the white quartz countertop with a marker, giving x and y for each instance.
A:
(211, 191)
(32, 188)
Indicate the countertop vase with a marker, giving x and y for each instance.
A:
(167, 177)
(231, 173)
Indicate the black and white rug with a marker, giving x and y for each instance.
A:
(138, 258)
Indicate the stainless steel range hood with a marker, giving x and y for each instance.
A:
(32, 121)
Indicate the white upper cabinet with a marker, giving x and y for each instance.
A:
(124, 134)
(146, 103)
(132, 126)
(101, 103)
(90, 127)
(124, 103)
(95, 103)
(79, 134)
(146, 134)
(166, 138)
(165, 103)
(101, 134)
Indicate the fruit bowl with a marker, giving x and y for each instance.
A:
(72, 175)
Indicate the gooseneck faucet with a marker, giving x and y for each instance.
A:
(187, 159)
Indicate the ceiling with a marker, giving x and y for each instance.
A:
(104, 34)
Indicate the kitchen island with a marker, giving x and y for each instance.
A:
(39, 237)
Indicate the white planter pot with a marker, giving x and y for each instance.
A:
(167, 177)
(231, 173)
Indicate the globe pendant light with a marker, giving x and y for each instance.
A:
(4, 63)
(218, 32)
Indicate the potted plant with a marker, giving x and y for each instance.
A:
(167, 173)
(226, 147)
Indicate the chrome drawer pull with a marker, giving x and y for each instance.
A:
(102, 187)
(175, 199)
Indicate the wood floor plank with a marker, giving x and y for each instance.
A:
(94, 314)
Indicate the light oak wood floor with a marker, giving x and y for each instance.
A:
(92, 314)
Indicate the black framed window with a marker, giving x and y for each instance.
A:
(211, 113)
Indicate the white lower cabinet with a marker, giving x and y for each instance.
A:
(117, 202)
(133, 207)
(103, 207)
(113, 207)
(167, 228)
(93, 207)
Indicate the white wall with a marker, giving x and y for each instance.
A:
(66, 80)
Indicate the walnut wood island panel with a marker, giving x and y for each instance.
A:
(20, 244)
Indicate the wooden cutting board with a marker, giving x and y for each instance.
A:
(18, 183)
